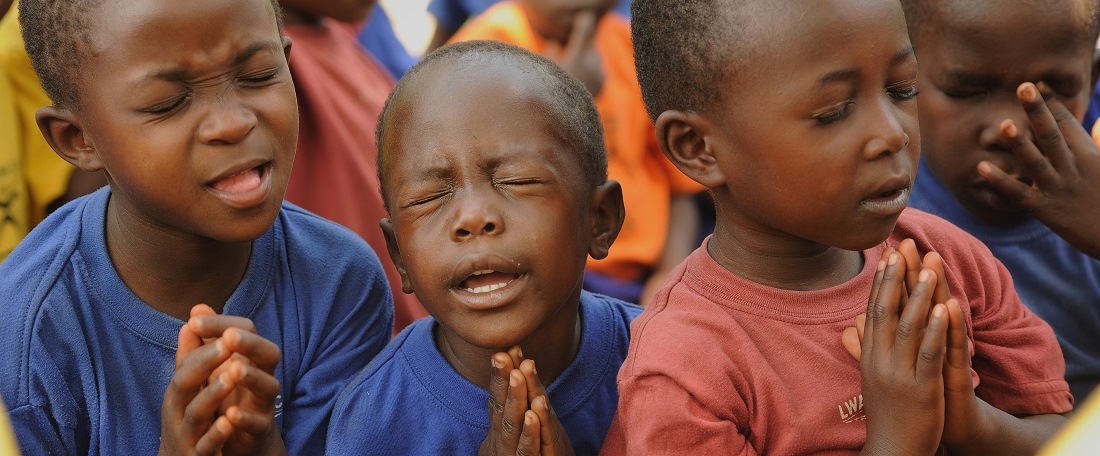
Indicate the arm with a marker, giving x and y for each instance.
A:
(1063, 163)
(683, 229)
(520, 418)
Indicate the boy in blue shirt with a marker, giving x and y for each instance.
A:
(190, 111)
(496, 182)
(1009, 162)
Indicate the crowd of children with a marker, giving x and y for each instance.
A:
(303, 247)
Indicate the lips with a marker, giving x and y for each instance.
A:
(487, 280)
(243, 186)
(889, 198)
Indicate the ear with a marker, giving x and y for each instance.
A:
(608, 213)
(65, 135)
(684, 138)
(287, 43)
(395, 254)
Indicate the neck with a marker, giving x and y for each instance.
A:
(170, 271)
(781, 260)
(553, 347)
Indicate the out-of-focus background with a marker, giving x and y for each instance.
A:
(411, 22)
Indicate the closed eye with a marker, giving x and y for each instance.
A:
(426, 199)
(260, 78)
(168, 106)
(903, 91)
(835, 113)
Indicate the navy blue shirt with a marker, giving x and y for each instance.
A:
(411, 401)
(85, 362)
(453, 13)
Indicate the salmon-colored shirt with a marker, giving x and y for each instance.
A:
(633, 158)
(341, 92)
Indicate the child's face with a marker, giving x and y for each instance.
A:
(970, 67)
(489, 209)
(341, 10)
(191, 110)
(553, 19)
(817, 136)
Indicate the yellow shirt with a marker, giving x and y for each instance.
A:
(7, 439)
(1080, 435)
(31, 174)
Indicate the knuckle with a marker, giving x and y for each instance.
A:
(1051, 137)
(507, 426)
(496, 404)
(878, 313)
(905, 329)
(929, 354)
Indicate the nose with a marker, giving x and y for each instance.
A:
(889, 125)
(227, 122)
(475, 216)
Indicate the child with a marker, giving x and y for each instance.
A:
(809, 157)
(189, 110)
(983, 121)
(492, 165)
(340, 92)
(662, 218)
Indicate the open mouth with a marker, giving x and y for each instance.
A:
(486, 280)
(242, 182)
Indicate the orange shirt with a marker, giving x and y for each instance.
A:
(633, 159)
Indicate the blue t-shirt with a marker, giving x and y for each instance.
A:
(378, 38)
(85, 363)
(453, 13)
(1057, 282)
(411, 401)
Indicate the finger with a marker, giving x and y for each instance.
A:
(1070, 128)
(199, 310)
(1048, 134)
(260, 351)
(251, 425)
(529, 438)
(582, 34)
(914, 319)
(195, 369)
(934, 261)
(531, 377)
(930, 363)
(876, 285)
(212, 442)
(880, 273)
(958, 352)
(883, 312)
(553, 437)
(188, 342)
(210, 326)
(261, 388)
(850, 340)
(908, 251)
(517, 355)
(861, 322)
(514, 407)
(1011, 188)
(498, 389)
(203, 408)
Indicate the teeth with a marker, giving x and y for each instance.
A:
(483, 272)
(487, 288)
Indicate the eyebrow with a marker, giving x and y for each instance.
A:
(848, 74)
(182, 74)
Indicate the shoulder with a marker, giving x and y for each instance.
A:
(504, 21)
(322, 241)
(931, 232)
(621, 311)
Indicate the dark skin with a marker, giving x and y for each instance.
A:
(175, 243)
(776, 237)
(221, 399)
(464, 211)
(5, 5)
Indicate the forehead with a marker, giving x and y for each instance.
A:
(195, 33)
(818, 37)
(1007, 38)
(484, 105)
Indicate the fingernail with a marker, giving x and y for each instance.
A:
(984, 168)
(881, 265)
(938, 311)
(512, 380)
(1028, 91)
(923, 276)
(1009, 129)
(496, 362)
(893, 259)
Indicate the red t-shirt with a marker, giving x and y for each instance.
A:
(341, 92)
(722, 365)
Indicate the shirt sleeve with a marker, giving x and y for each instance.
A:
(1016, 355)
(657, 416)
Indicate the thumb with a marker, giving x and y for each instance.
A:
(583, 34)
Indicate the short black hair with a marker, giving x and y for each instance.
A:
(56, 34)
(922, 15)
(569, 102)
(683, 50)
